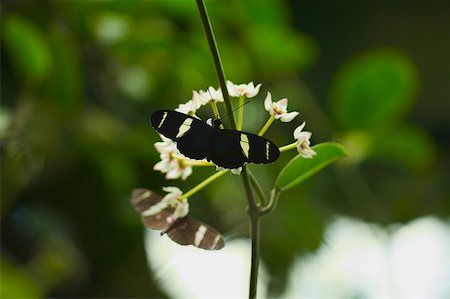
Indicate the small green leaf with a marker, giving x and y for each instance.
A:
(299, 168)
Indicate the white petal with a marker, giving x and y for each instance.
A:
(155, 209)
(283, 102)
(232, 89)
(252, 91)
(307, 153)
(298, 130)
(287, 117)
(181, 210)
(268, 102)
(236, 170)
(172, 189)
(186, 172)
(173, 174)
(162, 166)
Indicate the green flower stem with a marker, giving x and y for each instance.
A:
(257, 187)
(240, 112)
(214, 109)
(203, 184)
(289, 146)
(267, 125)
(274, 195)
(196, 163)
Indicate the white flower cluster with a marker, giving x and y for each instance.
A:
(175, 165)
(172, 200)
(172, 161)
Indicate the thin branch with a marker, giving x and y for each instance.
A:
(253, 209)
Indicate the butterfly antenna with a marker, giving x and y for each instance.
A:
(236, 108)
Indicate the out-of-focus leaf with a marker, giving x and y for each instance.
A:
(409, 145)
(66, 83)
(373, 89)
(27, 46)
(299, 168)
(16, 283)
(297, 53)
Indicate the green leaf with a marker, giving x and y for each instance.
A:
(28, 47)
(373, 89)
(299, 168)
(408, 144)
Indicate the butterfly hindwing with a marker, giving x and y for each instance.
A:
(231, 149)
(191, 134)
(184, 231)
(189, 231)
(226, 148)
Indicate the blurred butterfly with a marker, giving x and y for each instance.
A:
(226, 148)
(184, 231)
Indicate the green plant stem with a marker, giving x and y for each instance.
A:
(274, 195)
(253, 209)
(257, 187)
(240, 113)
(203, 184)
(288, 147)
(216, 59)
(254, 228)
(267, 125)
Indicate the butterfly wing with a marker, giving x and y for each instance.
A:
(143, 200)
(231, 149)
(191, 134)
(189, 231)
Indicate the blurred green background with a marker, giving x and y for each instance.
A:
(79, 80)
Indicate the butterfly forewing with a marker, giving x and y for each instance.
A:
(226, 148)
(143, 200)
(191, 134)
(184, 231)
(189, 231)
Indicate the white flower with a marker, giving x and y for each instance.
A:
(171, 160)
(202, 98)
(279, 109)
(233, 170)
(248, 90)
(303, 142)
(188, 108)
(170, 200)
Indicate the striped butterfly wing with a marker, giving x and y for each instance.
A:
(231, 149)
(143, 200)
(189, 231)
(191, 134)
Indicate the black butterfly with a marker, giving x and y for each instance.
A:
(226, 148)
(184, 231)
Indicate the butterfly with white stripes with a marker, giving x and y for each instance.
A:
(184, 231)
(226, 148)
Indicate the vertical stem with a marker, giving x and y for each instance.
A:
(253, 209)
(254, 228)
(241, 112)
(216, 59)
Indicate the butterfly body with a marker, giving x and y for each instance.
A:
(226, 148)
